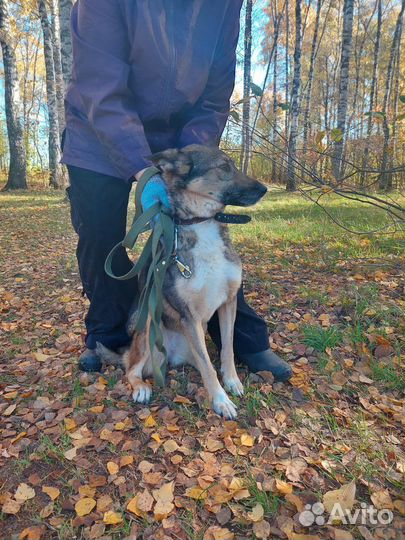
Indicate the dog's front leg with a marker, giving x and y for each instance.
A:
(226, 316)
(135, 360)
(221, 403)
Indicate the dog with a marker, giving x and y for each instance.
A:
(200, 181)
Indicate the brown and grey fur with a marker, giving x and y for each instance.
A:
(200, 182)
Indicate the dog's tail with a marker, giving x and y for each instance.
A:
(108, 356)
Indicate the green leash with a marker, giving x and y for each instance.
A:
(158, 248)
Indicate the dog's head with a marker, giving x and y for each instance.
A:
(208, 172)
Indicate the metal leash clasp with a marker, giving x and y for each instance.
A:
(184, 269)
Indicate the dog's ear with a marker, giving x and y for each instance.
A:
(173, 162)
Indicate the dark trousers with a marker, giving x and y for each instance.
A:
(99, 213)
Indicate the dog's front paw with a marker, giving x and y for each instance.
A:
(223, 406)
(142, 393)
(234, 385)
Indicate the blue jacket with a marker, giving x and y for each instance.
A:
(147, 75)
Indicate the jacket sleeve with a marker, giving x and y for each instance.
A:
(101, 71)
(206, 119)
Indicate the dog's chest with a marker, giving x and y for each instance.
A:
(216, 268)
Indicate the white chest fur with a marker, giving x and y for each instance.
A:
(214, 274)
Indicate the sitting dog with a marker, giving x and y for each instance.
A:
(201, 181)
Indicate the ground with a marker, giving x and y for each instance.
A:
(80, 460)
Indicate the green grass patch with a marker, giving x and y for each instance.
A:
(320, 338)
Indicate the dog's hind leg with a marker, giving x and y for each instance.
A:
(226, 316)
(220, 400)
(135, 361)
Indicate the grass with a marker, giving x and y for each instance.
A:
(320, 338)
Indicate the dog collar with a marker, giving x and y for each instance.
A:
(237, 219)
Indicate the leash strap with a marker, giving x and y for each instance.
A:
(158, 250)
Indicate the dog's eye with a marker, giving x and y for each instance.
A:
(225, 167)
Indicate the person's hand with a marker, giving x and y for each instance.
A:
(155, 191)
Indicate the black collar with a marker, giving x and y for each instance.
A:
(237, 219)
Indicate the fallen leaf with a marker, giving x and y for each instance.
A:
(53, 492)
(196, 492)
(24, 493)
(150, 421)
(283, 487)
(112, 518)
(381, 499)
(170, 446)
(344, 496)
(32, 533)
(261, 530)
(112, 467)
(218, 533)
(145, 501)
(84, 506)
(11, 507)
(247, 440)
(257, 513)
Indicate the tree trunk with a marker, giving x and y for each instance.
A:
(245, 150)
(307, 107)
(346, 52)
(275, 106)
(385, 177)
(55, 179)
(295, 106)
(373, 92)
(65, 7)
(57, 58)
(17, 172)
(286, 61)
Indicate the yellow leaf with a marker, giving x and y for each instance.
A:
(32, 533)
(257, 513)
(10, 395)
(150, 421)
(112, 467)
(261, 530)
(247, 440)
(170, 446)
(97, 409)
(11, 507)
(162, 509)
(24, 492)
(155, 437)
(132, 506)
(144, 501)
(344, 496)
(218, 533)
(112, 518)
(196, 493)
(84, 506)
(164, 493)
(69, 424)
(10, 409)
(126, 460)
(41, 357)
(182, 399)
(283, 487)
(70, 454)
(53, 492)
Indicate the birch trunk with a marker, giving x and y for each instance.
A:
(245, 150)
(373, 92)
(17, 172)
(346, 53)
(55, 169)
(57, 58)
(295, 106)
(65, 7)
(385, 177)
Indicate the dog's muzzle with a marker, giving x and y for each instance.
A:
(245, 195)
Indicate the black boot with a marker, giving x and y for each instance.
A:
(267, 361)
(89, 361)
